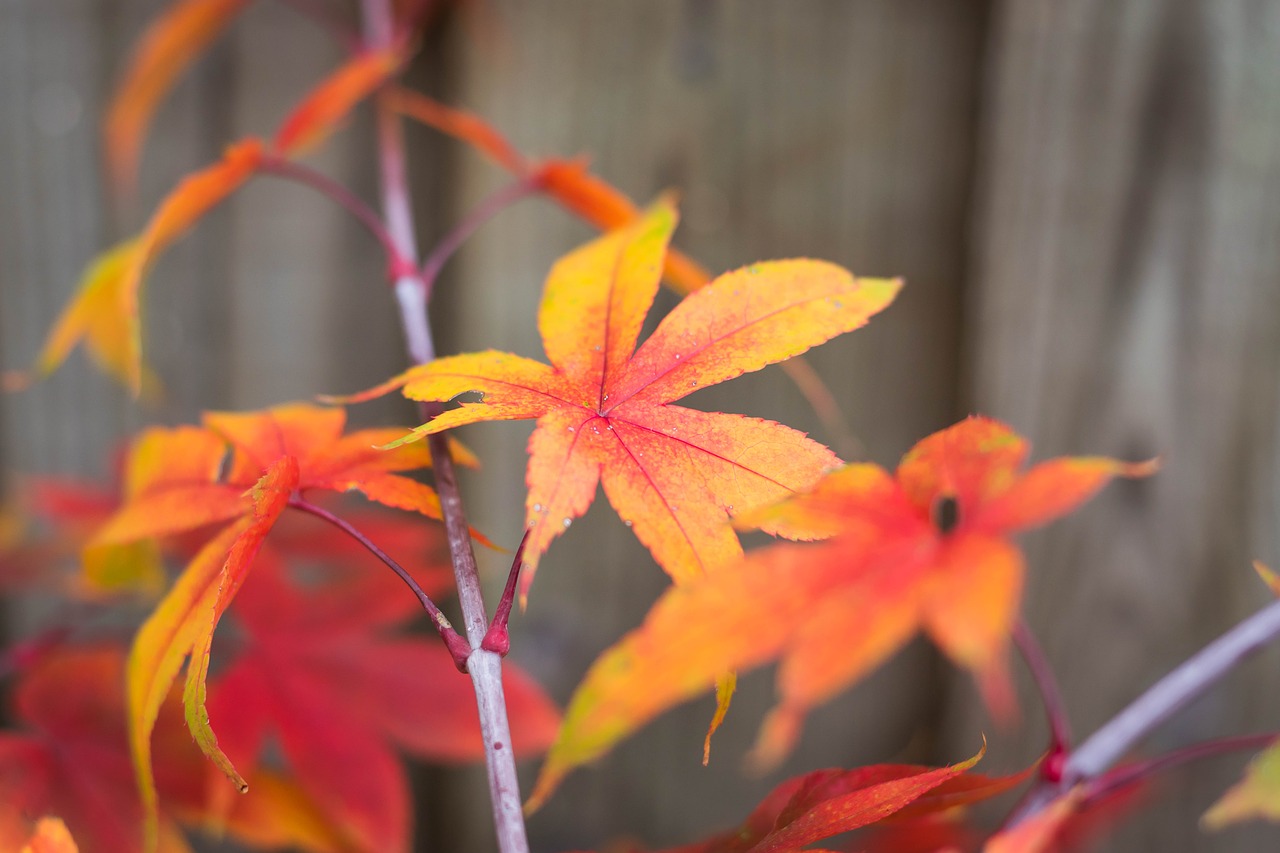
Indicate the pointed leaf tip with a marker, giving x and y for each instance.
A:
(334, 97)
(725, 687)
(104, 312)
(172, 42)
(1269, 577)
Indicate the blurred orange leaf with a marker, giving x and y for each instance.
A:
(174, 483)
(104, 311)
(567, 181)
(833, 612)
(51, 836)
(1269, 577)
(675, 475)
(1040, 832)
(174, 40)
(330, 101)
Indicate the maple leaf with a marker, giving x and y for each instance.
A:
(1256, 796)
(834, 611)
(605, 413)
(604, 206)
(174, 40)
(104, 312)
(315, 666)
(330, 101)
(824, 803)
(173, 484)
(73, 761)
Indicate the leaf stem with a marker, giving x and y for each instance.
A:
(496, 639)
(1126, 775)
(1164, 698)
(483, 212)
(457, 646)
(336, 192)
(1051, 696)
(484, 666)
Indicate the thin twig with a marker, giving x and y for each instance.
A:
(496, 639)
(1128, 774)
(1194, 676)
(825, 406)
(485, 667)
(482, 213)
(457, 646)
(1051, 696)
(1171, 693)
(336, 192)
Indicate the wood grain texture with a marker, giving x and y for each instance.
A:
(1125, 301)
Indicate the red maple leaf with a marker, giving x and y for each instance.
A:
(174, 482)
(72, 760)
(317, 673)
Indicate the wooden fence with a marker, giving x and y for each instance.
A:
(1084, 198)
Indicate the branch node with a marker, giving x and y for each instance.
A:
(497, 639)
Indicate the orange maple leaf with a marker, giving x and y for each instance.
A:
(173, 484)
(604, 412)
(174, 40)
(833, 612)
(329, 102)
(105, 311)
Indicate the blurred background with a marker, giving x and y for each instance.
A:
(1084, 199)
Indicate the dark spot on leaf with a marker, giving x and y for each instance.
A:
(946, 514)
(224, 465)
